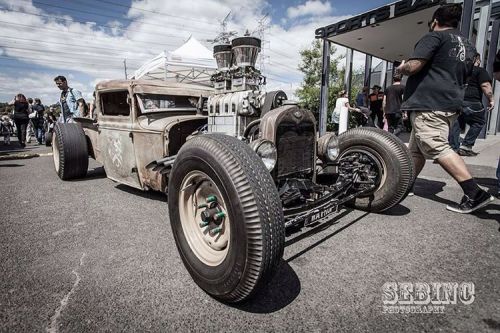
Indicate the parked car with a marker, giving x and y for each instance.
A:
(240, 166)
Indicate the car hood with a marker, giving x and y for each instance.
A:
(160, 122)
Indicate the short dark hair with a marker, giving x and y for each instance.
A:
(30, 100)
(60, 78)
(448, 15)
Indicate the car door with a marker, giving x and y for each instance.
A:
(116, 139)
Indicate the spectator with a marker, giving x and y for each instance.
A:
(438, 70)
(362, 98)
(92, 111)
(21, 117)
(29, 129)
(375, 99)
(341, 112)
(6, 129)
(391, 104)
(496, 75)
(71, 101)
(473, 112)
(38, 120)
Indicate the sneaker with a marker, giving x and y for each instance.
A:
(466, 152)
(468, 205)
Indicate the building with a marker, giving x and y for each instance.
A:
(390, 32)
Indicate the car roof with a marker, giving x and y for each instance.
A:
(155, 86)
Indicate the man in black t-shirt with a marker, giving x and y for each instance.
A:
(438, 70)
(473, 112)
(393, 96)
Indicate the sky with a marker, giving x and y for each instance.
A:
(88, 40)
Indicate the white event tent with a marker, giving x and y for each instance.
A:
(190, 63)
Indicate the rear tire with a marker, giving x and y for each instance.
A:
(48, 139)
(69, 147)
(397, 172)
(242, 258)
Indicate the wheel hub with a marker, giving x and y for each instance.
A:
(204, 218)
(367, 168)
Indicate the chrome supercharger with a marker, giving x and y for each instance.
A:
(238, 97)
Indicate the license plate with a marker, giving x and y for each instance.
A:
(323, 216)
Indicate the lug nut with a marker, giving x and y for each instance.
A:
(203, 224)
(216, 230)
(220, 215)
(211, 198)
(202, 205)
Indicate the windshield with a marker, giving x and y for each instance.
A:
(160, 103)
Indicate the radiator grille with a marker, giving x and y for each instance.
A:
(295, 144)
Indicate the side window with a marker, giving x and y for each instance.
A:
(115, 103)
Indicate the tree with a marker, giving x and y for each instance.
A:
(311, 66)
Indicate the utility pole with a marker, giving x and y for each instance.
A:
(125, 67)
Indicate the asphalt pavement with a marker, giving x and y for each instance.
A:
(92, 256)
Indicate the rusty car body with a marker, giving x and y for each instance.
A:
(125, 136)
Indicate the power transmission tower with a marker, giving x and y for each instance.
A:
(260, 32)
(224, 36)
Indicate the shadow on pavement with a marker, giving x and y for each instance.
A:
(96, 173)
(153, 195)
(493, 324)
(281, 291)
(398, 210)
(11, 165)
(484, 215)
(285, 286)
(429, 189)
(324, 239)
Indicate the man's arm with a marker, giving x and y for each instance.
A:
(411, 67)
(488, 92)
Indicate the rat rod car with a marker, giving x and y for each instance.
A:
(239, 166)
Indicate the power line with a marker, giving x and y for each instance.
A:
(58, 62)
(97, 25)
(66, 44)
(79, 34)
(111, 16)
(157, 12)
(71, 55)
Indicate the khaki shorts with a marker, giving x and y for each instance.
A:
(429, 136)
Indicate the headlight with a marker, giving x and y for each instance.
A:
(328, 147)
(266, 150)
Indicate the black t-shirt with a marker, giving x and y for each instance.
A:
(376, 101)
(474, 93)
(394, 98)
(440, 85)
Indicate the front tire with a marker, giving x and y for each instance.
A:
(69, 148)
(233, 245)
(388, 157)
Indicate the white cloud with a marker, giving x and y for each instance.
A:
(98, 51)
(35, 84)
(310, 8)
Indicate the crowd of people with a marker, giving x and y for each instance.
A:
(444, 91)
(30, 118)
